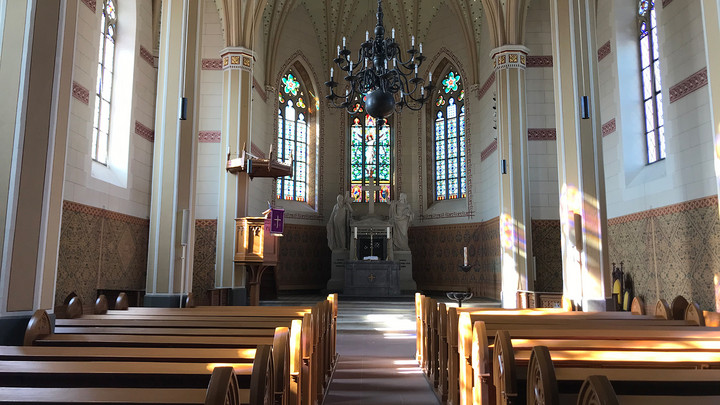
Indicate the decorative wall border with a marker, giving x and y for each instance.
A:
(608, 128)
(542, 134)
(489, 150)
(81, 93)
(211, 64)
(144, 131)
(90, 4)
(486, 86)
(209, 136)
(103, 213)
(693, 82)
(604, 51)
(147, 56)
(666, 210)
(425, 217)
(204, 223)
(539, 61)
(309, 217)
(260, 90)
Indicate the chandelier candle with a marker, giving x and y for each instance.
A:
(370, 81)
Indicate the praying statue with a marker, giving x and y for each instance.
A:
(338, 225)
(400, 217)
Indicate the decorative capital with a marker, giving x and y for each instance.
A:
(509, 57)
(234, 58)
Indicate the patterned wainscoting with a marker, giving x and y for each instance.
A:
(438, 251)
(304, 262)
(100, 249)
(204, 259)
(548, 255)
(670, 251)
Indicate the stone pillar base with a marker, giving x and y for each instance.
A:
(407, 283)
(337, 272)
(594, 305)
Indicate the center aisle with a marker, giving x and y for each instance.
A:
(376, 347)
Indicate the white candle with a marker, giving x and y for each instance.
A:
(465, 262)
(388, 232)
(420, 47)
(343, 42)
(430, 77)
(393, 33)
(356, 232)
(338, 49)
(332, 70)
(413, 41)
(367, 35)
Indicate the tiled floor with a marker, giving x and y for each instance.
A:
(376, 347)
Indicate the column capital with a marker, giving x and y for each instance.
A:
(509, 57)
(237, 57)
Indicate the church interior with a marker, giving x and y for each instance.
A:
(136, 108)
(545, 146)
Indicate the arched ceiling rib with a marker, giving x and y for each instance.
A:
(333, 19)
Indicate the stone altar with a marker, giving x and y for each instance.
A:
(372, 278)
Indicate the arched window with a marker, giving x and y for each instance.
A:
(370, 157)
(103, 93)
(651, 84)
(293, 138)
(450, 169)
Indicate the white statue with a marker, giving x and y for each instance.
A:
(337, 226)
(400, 217)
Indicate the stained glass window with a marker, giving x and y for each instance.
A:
(103, 87)
(449, 139)
(651, 82)
(370, 157)
(293, 138)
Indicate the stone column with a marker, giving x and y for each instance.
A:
(233, 190)
(583, 219)
(711, 19)
(174, 157)
(515, 222)
(37, 54)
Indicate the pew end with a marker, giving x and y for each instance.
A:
(542, 387)
(262, 390)
(122, 303)
(678, 306)
(597, 390)
(504, 370)
(101, 305)
(39, 326)
(662, 309)
(223, 388)
(638, 306)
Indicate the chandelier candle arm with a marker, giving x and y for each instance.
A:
(382, 90)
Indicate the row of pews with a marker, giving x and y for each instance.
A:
(192, 355)
(552, 356)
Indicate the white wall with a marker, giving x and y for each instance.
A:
(687, 172)
(132, 198)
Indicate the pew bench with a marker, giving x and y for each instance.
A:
(222, 388)
(634, 378)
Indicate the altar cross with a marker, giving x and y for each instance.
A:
(372, 188)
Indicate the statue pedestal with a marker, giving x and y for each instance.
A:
(407, 284)
(337, 271)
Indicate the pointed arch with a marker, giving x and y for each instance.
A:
(301, 68)
(441, 65)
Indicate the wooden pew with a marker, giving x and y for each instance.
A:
(40, 333)
(222, 389)
(177, 326)
(637, 377)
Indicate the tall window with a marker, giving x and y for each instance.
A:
(651, 85)
(450, 139)
(370, 157)
(293, 138)
(103, 89)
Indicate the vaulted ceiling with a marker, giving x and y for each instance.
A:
(333, 19)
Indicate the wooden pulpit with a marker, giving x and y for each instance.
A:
(255, 248)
